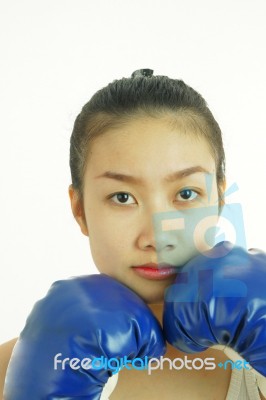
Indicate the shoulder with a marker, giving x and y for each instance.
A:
(5, 354)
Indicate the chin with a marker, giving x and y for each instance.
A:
(153, 292)
(152, 297)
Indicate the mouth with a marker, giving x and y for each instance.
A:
(155, 271)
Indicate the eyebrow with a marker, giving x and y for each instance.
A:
(169, 178)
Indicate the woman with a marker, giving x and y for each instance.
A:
(144, 149)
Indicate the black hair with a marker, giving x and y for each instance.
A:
(143, 94)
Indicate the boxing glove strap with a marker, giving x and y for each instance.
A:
(234, 356)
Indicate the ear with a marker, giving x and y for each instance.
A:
(77, 209)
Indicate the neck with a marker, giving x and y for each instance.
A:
(157, 310)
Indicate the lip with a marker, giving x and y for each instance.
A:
(154, 271)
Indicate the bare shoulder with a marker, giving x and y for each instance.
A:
(5, 354)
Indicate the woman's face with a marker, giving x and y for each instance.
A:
(139, 181)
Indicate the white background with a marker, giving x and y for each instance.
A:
(54, 55)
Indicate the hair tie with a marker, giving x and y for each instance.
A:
(142, 72)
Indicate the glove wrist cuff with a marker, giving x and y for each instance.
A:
(234, 356)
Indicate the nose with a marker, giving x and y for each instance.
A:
(146, 238)
(153, 237)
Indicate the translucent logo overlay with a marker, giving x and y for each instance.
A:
(149, 364)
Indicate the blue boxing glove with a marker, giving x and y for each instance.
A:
(219, 300)
(81, 319)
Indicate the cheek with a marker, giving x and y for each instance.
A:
(205, 232)
(110, 244)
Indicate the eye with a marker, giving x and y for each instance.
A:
(187, 195)
(123, 198)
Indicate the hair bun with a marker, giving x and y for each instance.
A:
(142, 72)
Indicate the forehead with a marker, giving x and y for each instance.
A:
(149, 146)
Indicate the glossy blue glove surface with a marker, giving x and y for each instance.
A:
(220, 299)
(82, 317)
